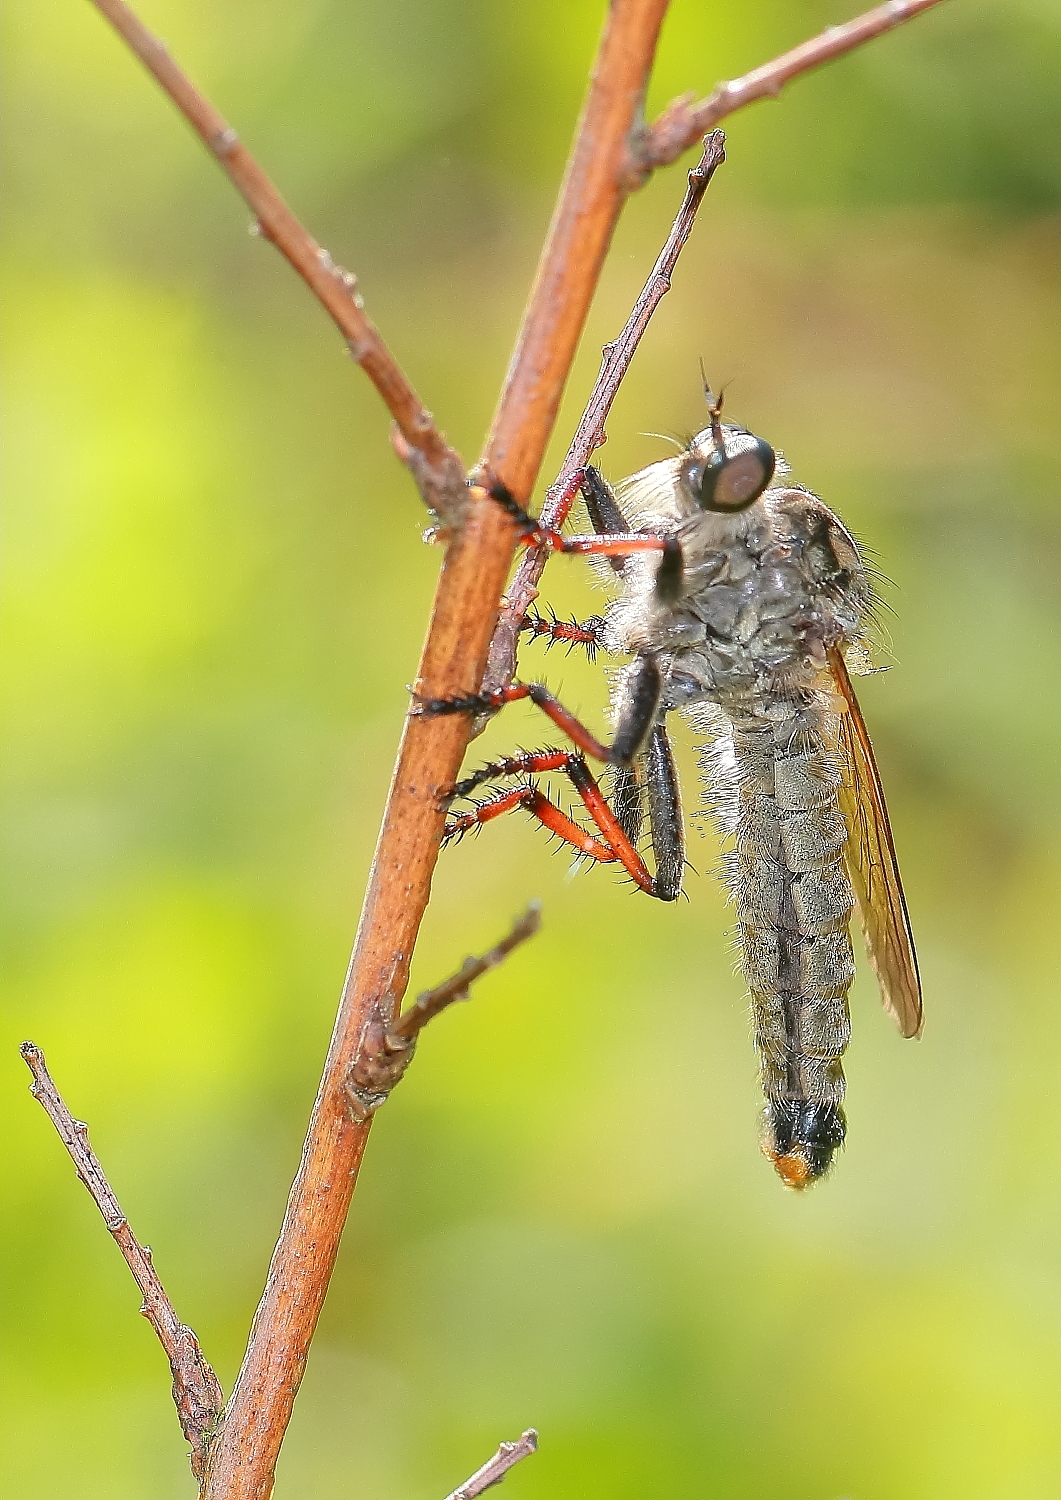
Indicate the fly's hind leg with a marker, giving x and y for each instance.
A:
(613, 842)
(627, 797)
(618, 825)
(665, 814)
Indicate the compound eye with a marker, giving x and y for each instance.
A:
(732, 483)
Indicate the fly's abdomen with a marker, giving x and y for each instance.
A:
(794, 903)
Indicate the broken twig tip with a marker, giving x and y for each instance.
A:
(495, 1469)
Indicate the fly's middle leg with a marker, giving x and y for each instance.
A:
(639, 703)
(572, 633)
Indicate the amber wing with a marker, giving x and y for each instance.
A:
(872, 866)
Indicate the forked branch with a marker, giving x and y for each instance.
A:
(197, 1394)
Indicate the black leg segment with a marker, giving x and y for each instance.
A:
(665, 815)
(627, 798)
(671, 572)
(638, 704)
(604, 513)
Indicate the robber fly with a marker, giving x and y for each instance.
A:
(741, 595)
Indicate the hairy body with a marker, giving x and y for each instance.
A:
(764, 594)
(740, 597)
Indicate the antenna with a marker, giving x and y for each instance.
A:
(714, 411)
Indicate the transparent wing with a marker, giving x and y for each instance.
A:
(872, 867)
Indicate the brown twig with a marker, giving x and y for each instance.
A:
(495, 1469)
(685, 120)
(197, 1394)
(590, 201)
(615, 362)
(387, 1043)
(244, 1453)
(435, 466)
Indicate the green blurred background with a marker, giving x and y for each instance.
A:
(215, 597)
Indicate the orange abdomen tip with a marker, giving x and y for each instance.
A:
(800, 1137)
(793, 1169)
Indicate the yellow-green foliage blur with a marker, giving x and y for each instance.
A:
(215, 596)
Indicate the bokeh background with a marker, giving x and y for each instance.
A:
(215, 596)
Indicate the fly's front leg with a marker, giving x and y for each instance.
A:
(607, 519)
(614, 545)
(605, 513)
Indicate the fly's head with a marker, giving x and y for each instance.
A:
(726, 468)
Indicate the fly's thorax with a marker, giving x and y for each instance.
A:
(715, 556)
(775, 585)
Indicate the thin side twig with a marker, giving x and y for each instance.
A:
(590, 434)
(431, 1003)
(243, 1455)
(197, 1393)
(387, 1042)
(435, 466)
(495, 1469)
(685, 120)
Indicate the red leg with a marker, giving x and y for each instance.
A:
(613, 844)
(524, 763)
(576, 732)
(608, 544)
(640, 702)
(571, 632)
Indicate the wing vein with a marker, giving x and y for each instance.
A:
(872, 866)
